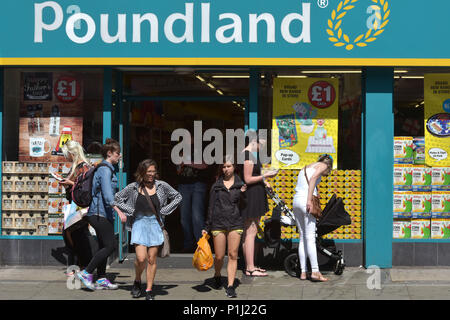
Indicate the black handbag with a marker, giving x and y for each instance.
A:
(164, 249)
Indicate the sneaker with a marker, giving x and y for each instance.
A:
(136, 290)
(105, 284)
(230, 292)
(86, 278)
(149, 295)
(217, 282)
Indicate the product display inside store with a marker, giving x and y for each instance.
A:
(421, 208)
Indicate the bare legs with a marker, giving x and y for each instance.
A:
(144, 255)
(248, 247)
(220, 242)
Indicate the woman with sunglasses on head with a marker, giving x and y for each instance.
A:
(146, 233)
(308, 179)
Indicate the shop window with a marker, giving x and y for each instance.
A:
(43, 109)
(312, 112)
(421, 207)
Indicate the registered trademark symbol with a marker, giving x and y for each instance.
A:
(322, 3)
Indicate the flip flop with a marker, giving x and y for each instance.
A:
(320, 278)
(253, 271)
(260, 269)
(305, 278)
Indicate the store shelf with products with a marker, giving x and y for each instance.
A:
(421, 208)
(32, 199)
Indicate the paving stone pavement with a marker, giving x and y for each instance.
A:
(178, 281)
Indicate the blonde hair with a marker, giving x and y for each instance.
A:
(76, 151)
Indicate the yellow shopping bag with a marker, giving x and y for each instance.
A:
(203, 258)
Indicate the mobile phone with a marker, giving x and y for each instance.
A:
(57, 176)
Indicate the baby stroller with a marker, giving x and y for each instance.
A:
(333, 216)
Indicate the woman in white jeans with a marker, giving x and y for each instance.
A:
(305, 221)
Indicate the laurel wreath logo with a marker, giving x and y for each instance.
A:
(341, 39)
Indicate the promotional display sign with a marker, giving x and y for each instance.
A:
(50, 115)
(305, 121)
(437, 120)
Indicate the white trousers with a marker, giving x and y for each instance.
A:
(306, 224)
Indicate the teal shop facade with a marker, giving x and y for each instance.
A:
(376, 37)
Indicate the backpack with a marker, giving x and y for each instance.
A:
(82, 188)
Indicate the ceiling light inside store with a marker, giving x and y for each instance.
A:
(296, 76)
(219, 92)
(230, 76)
(331, 71)
(210, 85)
(400, 71)
(412, 77)
(200, 78)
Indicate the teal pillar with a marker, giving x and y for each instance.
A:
(107, 103)
(1, 134)
(377, 165)
(252, 106)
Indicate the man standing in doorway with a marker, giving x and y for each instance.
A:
(193, 182)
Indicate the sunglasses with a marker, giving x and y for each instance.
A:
(326, 156)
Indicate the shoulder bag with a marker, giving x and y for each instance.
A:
(164, 249)
(316, 210)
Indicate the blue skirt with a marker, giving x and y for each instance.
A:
(146, 231)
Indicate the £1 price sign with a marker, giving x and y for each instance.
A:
(321, 94)
(67, 89)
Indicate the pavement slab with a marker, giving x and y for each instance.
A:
(188, 284)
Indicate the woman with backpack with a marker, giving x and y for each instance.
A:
(145, 202)
(225, 221)
(77, 235)
(101, 217)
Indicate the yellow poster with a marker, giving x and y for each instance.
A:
(437, 119)
(305, 121)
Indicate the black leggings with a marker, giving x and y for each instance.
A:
(105, 235)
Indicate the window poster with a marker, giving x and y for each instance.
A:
(305, 121)
(50, 115)
(437, 119)
(37, 86)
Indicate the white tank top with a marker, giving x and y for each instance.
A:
(301, 189)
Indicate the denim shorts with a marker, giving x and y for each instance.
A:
(146, 231)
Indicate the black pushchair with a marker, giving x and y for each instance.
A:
(333, 217)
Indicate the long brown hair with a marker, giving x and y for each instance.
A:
(142, 171)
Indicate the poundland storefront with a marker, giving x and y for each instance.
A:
(366, 81)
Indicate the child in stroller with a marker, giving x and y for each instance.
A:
(333, 216)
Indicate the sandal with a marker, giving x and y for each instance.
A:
(260, 269)
(320, 278)
(306, 277)
(255, 275)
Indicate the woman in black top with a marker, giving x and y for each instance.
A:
(225, 221)
(146, 233)
(257, 204)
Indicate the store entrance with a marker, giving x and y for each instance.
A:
(154, 105)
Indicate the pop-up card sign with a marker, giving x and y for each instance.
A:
(305, 121)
